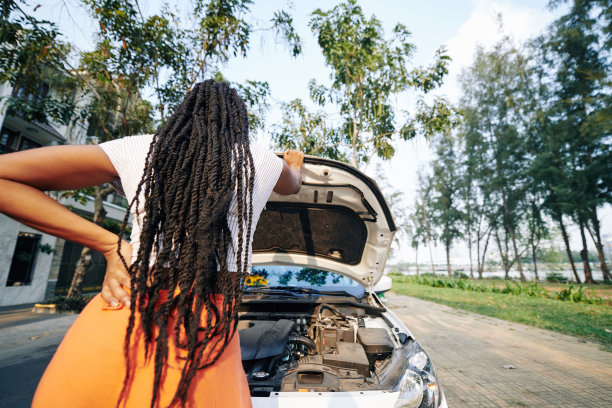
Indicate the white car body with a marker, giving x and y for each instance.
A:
(339, 223)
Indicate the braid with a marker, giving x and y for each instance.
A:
(197, 161)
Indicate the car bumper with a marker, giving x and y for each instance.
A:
(356, 399)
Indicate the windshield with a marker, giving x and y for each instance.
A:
(296, 276)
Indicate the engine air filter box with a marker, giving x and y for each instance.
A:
(348, 355)
(376, 342)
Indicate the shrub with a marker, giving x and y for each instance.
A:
(514, 288)
(460, 275)
(569, 294)
(556, 277)
(72, 304)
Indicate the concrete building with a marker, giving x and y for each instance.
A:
(31, 262)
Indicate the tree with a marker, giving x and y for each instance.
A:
(307, 131)
(444, 207)
(577, 55)
(133, 53)
(422, 216)
(32, 56)
(494, 92)
(367, 70)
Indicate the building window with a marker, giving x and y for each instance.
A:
(24, 258)
(34, 95)
(9, 140)
(25, 143)
(12, 141)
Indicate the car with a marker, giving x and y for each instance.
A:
(313, 330)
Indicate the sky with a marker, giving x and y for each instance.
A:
(459, 25)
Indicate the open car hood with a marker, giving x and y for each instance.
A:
(339, 222)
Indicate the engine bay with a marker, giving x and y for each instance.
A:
(318, 347)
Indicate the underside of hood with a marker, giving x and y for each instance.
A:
(339, 221)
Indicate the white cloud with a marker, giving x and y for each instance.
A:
(483, 29)
(480, 29)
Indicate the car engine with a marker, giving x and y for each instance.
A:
(323, 348)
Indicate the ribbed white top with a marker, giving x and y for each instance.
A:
(128, 156)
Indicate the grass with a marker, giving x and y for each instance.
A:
(589, 321)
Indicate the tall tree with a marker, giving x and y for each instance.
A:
(32, 55)
(132, 53)
(446, 215)
(422, 207)
(494, 89)
(367, 70)
(578, 58)
(310, 132)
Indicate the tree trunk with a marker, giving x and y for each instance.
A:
(516, 255)
(584, 254)
(428, 231)
(416, 259)
(535, 261)
(503, 255)
(568, 250)
(509, 228)
(484, 254)
(469, 228)
(598, 244)
(85, 258)
(448, 267)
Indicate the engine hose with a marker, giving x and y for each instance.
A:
(305, 341)
(333, 309)
(273, 361)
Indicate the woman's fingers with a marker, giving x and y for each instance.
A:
(117, 281)
(294, 158)
(108, 296)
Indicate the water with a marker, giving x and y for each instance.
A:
(496, 271)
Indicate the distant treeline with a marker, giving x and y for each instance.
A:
(531, 151)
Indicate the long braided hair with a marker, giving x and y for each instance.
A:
(198, 160)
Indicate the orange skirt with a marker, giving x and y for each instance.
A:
(88, 369)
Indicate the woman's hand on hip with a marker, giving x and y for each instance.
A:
(117, 280)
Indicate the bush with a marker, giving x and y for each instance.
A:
(72, 304)
(460, 275)
(556, 277)
(513, 288)
(569, 294)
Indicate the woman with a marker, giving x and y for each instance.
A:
(162, 331)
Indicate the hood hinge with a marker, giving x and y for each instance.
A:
(370, 282)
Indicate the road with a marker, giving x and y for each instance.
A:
(469, 351)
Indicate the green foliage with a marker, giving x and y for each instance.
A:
(32, 57)
(307, 131)
(590, 321)
(514, 288)
(47, 249)
(578, 295)
(70, 304)
(366, 71)
(556, 277)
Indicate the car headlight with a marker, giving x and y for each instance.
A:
(411, 390)
(418, 386)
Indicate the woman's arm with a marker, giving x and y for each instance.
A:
(25, 175)
(290, 180)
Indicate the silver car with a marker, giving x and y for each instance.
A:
(313, 331)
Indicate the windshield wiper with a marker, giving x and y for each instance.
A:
(293, 290)
(276, 290)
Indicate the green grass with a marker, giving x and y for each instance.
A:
(589, 321)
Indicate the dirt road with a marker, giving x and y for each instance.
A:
(470, 351)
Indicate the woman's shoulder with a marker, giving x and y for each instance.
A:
(264, 157)
(136, 141)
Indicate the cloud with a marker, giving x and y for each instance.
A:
(483, 29)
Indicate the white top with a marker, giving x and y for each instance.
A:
(128, 156)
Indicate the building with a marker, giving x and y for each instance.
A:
(31, 262)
